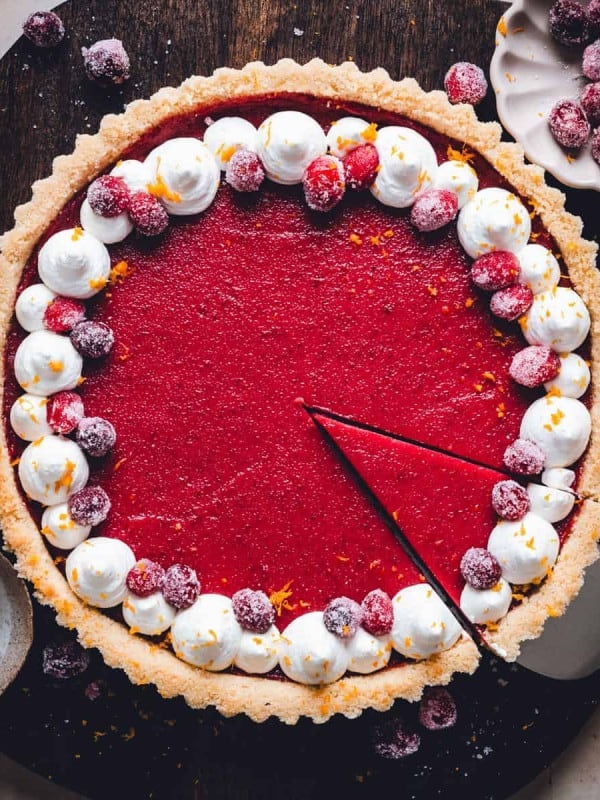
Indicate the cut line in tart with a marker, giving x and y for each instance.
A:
(247, 302)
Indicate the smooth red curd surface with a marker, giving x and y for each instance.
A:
(235, 314)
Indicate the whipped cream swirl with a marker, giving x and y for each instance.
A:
(560, 426)
(60, 528)
(558, 319)
(258, 653)
(150, 615)
(367, 653)
(136, 174)
(46, 363)
(493, 220)
(51, 469)
(74, 263)
(539, 269)
(482, 606)
(549, 503)
(228, 135)
(309, 653)
(97, 570)
(207, 634)
(106, 229)
(458, 177)
(526, 549)
(184, 175)
(28, 417)
(558, 478)
(573, 378)
(423, 625)
(408, 166)
(287, 142)
(347, 134)
(31, 306)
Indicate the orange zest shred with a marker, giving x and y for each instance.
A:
(280, 599)
(464, 154)
(120, 271)
(355, 239)
(160, 189)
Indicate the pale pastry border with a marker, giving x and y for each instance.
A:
(145, 662)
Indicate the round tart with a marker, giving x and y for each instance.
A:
(323, 417)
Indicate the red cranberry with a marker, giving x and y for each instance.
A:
(534, 365)
(465, 83)
(591, 61)
(377, 613)
(433, 209)
(568, 124)
(480, 569)
(145, 578)
(92, 339)
(593, 15)
(108, 196)
(253, 610)
(148, 214)
(106, 62)
(96, 436)
(590, 102)
(524, 457)
(596, 145)
(495, 270)
(342, 617)
(63, 660)
(510, 500)
(181, 586)
(89, 506)
(437, 709)
(512, 302)
(568, 23)
(63, 313)
(64, 411)
(360, 166)
(324, 183)
(392, 739)
(44, 29)
(245, 171)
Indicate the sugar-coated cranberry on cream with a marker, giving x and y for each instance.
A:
(323, 182)
(145, 577)
(360, 166)
(108, 196)
(245, 172)
(148, 214)
(480, 569)
(253, 610)
(64, 411)
(512, 302)
(465, 83)
(89, 506)
(342, 616)
(433, 209)
(63, 313)
(495, 270)
(569, 124)
(106, 62)
(510, 500)
(568, 23)
(180, 586)
(377, 613)
(534, 366)
(524, 457)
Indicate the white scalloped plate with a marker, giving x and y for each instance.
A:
(530, 72)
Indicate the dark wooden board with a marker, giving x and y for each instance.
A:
(129, 743)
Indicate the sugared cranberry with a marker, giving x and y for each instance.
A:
(342, 617)
(591, 61)
(534, 365)
(44, 29)
(524, 457)
(512, 302)
(89, 506)
(360, 166)
(465, 83)
(377, 613)
(437, 709)
(145, 578)
(64, 660)
(568, 124)
(63, 313)
(64, 411)
(480, 569)
(510, 500)
(596, 145)
(148, 214)
(245, 171)
(590, 102)
(433, 209)
(96, 436)
(106, 62)
(253, 610)
(495, 270)
(108, 196)
(393, 739)
(568, 23)
(180, 586)
(593, 15)
(92, 339)
(324, 183)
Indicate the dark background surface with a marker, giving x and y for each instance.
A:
(115, 740)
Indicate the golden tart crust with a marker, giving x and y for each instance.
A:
(260, 698)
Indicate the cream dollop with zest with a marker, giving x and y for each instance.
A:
(97, 571)
(407, 166)
(287, 142)
(52, 468)
(74, 263)
(493, 220)
(184, 175)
